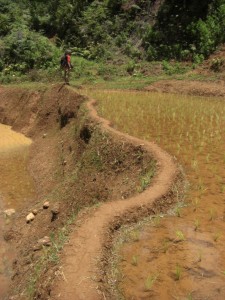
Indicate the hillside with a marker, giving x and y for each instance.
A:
(34, 33)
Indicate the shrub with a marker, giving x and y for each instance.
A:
(25, 50)
(130, 67)
(217, 64)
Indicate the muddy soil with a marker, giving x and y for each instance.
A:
(15, 187)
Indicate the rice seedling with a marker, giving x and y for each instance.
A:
(134, 260)
(199, 259)
(189, 296)
(222, 188)
(149, 282)
(216, 236)
(165, 245)
(180, 236)
(212, 214)
(195, 203)
(201, 187)
(196, 224)
(178, 272)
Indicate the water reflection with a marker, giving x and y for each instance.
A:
(16, 189)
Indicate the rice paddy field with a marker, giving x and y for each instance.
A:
(181, 256)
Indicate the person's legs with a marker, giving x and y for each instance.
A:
(66, 75)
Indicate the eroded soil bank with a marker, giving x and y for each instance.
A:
(74, 164)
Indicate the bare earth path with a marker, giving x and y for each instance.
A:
(80, 278)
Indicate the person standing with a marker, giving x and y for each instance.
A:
(66, 65)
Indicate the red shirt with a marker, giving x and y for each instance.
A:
(68, 58)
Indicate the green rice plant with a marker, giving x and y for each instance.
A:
(194, 164)
(151, 279)
(222, 188)
(178, 272)
(180, 235)
(212, 214)
(196, 224)
(165, 245)
(195, 203)
(134, 260)
(189, 296)
(201, 187)
(146, 180)
(216, 236)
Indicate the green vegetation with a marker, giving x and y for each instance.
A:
(116, 36)
(150, 281)
(147, 178)
(178, 272)
(50, 255)
(134, 260)
(180, 236)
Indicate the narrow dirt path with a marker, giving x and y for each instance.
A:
(80, 274)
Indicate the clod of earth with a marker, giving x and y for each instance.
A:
(35, 212)
(46, 205)
(9, 212)
(30, 217)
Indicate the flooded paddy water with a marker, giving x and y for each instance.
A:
(181, 255)
(16, 188)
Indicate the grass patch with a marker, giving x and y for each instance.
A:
(50, 255)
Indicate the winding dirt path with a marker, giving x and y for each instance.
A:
(81, 276)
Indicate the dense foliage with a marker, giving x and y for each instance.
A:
(33, 32)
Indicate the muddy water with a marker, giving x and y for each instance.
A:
(16, 189)
(181, 256)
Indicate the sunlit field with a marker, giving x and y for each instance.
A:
(182, 255)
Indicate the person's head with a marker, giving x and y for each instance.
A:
(68, 52)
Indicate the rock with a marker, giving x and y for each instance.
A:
(35, 212)
(8, 235)
(55, 209)
(45, 241)
(44, 135)
(46, 205)
(55, 212)
(30, 217)
(9, 212)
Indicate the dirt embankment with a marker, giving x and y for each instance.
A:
(75, 163)
(195, 88)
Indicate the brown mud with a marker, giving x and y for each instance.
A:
(15, 187)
